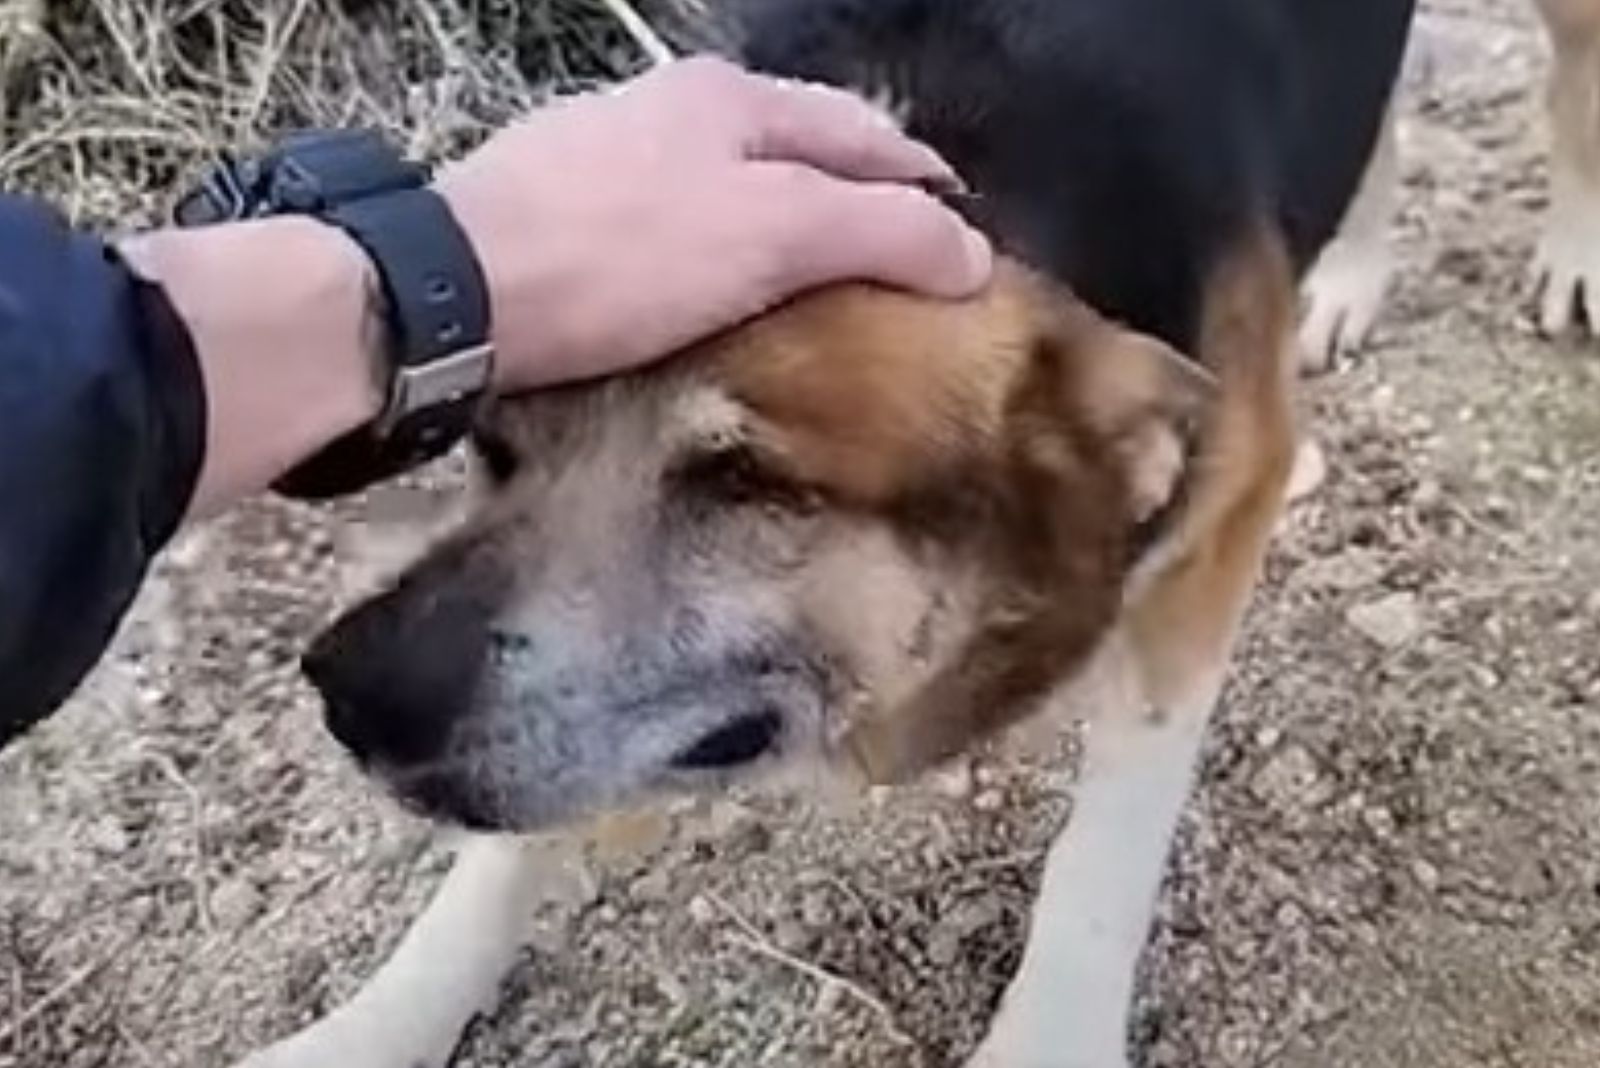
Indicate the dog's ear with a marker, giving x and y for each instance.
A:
(1135, 393)
(1091, 443)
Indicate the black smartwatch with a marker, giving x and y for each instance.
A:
(434, 299)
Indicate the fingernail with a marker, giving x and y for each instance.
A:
(979, 256)
(944, 181)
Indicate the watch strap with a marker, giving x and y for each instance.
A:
(436, 304)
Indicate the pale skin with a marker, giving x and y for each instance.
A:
(614, 229)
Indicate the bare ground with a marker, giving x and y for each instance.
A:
(1393, 858)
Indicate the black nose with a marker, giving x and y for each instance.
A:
(399, 674)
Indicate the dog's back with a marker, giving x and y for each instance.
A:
(1121, 145)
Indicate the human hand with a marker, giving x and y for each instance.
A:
(616, 228)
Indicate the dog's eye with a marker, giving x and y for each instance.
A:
(498, 458)
(731, 474)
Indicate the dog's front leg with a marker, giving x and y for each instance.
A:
(1345, 291)
(447, 969)
(1068, 1005)
(1567, 265)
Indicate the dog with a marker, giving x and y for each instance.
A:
(867, 531)
(1345, 292)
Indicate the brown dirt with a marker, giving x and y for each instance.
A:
(1393, 859)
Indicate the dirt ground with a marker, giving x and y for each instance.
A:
(1393, 858)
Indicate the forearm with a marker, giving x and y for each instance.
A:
(282, 320)
(102, 423)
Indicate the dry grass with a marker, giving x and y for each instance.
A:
(1392, 858)
(107, 105)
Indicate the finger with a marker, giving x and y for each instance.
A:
(838, 132)
(832, 230)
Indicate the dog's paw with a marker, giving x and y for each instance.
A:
(1566, 269)
(1343, 296)
(1063, 1041)
(324, 1046)
(998, 1055)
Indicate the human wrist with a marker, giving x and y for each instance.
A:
(527, 284)
(283, 317)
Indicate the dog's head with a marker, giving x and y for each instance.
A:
(864, 525)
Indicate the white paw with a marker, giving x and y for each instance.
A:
(1020, 1038)
(331, 1044)
(994, 1054)
(1344, 294)
(1566, 269)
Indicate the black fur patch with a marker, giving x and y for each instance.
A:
(1120, 145)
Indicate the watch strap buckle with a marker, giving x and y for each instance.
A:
(449, 380)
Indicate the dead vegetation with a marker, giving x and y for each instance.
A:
(1392, 858)
(106, 105)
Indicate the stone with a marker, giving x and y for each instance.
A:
(1391, 621)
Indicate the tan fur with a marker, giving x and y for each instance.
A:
(1069, 424)
(1182, 621)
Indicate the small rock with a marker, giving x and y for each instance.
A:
(1538, 476)
(989, 801)
(1353, 569)
(954, 782)
(550, 936)
(728, 818)
(1426, 874)
(1310, 471)
(815, 910)
(109, 837)
(1391, 622)
(235, 903)
(790, 936)
(1290, 780)
(701, 910)
(569, 884)
(654, 885)
(1379, 820)
(829, 995)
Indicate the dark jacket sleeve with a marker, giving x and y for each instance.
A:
(102, 430)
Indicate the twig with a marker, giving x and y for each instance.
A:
(18, 992)
(199, 883)
(643, 34)
(751, 938)
(140, 1050)
(59, 993)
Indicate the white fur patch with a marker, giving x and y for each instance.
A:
(886, 98)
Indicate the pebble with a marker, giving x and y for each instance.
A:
(1425, 874)
(235, 903)
(1289, 780)
(1391, 621)
(701, 910)
(954, 782)
(1310, 471)
(1353, 569)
